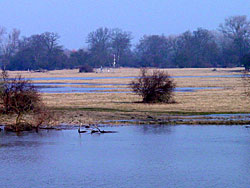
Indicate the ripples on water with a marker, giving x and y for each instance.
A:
(136, 156)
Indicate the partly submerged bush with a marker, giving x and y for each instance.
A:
(155, 87)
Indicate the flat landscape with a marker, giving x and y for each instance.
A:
(217, 91)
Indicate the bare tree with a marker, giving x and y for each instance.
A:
(152, 50)
(9, 45)
(51, 41)
(100, 46)
(120, 43)
(236, 27)
(237, 30)
(2, 32)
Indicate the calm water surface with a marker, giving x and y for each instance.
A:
(130, 77)
(136, 156)
(69, 88)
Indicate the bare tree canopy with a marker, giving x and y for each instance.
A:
(236, 27)
(229, 46)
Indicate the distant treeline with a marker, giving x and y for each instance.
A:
(228, 46)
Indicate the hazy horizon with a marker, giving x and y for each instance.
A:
(73, 20)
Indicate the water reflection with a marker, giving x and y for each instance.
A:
(156, 129)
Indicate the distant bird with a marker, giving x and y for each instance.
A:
(87, 126)
(79, 129)
(94, 131)
(102, 131)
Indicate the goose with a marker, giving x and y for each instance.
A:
(94, 131)
(79, 129)
(102, 131)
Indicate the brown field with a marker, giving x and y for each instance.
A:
(97, 107)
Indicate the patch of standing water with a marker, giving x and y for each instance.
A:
(129, 77)
(78, 89)
(136, 156)
(70, 84)
(59, 88)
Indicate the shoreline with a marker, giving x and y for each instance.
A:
(136, 118)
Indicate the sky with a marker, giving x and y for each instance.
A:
(73, 20)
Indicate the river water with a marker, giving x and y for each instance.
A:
(136, 156)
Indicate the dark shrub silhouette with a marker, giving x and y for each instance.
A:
(86, 68)
(155, 87)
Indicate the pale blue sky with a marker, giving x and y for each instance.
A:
(74, 19)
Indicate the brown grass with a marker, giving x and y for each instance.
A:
(96, 107)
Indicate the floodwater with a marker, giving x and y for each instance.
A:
(136, 156)
(70, 88)
(49, 89)
(130, 77)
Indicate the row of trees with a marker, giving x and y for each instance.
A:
(226, 47)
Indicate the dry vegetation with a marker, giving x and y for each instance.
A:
(98, 107)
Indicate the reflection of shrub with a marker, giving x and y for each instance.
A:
(156, 87)
(18, 96)
(86, 68)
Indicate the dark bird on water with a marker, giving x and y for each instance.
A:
(87, 126)
(94, 131)
(79, 130)
(102, 131)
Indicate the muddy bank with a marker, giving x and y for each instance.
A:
(73, 119)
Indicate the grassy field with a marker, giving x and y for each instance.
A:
(75, 108)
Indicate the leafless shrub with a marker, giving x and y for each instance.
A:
(44, 116)
(155, 87)
(18, 96)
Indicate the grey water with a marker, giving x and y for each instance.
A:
(79, 90)
(129, 77)
(69, 88)
(70, 84)
(136, 156)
